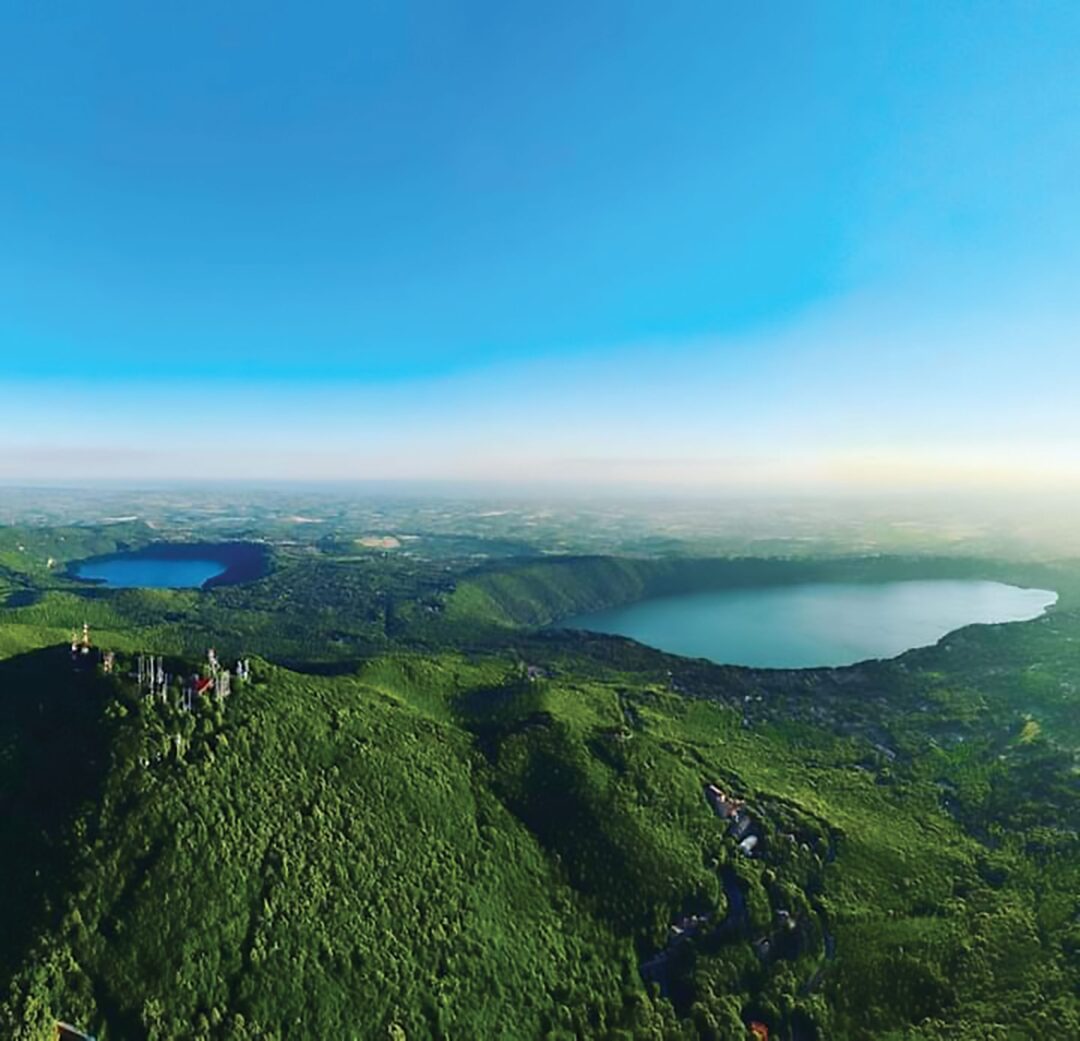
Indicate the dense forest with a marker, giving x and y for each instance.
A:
(424, 815)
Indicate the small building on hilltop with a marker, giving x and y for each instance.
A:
(747, 845)
(741, 824)
(724, 806)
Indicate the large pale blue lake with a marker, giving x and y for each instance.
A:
(799, 626)
(150, 573)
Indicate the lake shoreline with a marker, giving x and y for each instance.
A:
(814, 625)
(241, 562)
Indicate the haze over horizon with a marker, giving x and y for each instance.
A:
(827, 248)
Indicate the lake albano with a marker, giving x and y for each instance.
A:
(814, 624)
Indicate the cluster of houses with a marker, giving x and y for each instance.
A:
(741, 825)
(747, 832)
(688, 925)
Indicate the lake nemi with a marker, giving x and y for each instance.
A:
(150, 572)
(800, 626)
(175, 565)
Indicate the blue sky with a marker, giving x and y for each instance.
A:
(696, 243)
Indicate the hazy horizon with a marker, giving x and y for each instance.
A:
(831, 249)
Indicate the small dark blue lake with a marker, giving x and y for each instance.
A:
(151, 574)
(174, 566)
(818, 624)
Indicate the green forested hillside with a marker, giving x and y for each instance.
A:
(543, 591)
(442, 848)
(509, 836)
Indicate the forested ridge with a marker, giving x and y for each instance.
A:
(514, 837)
